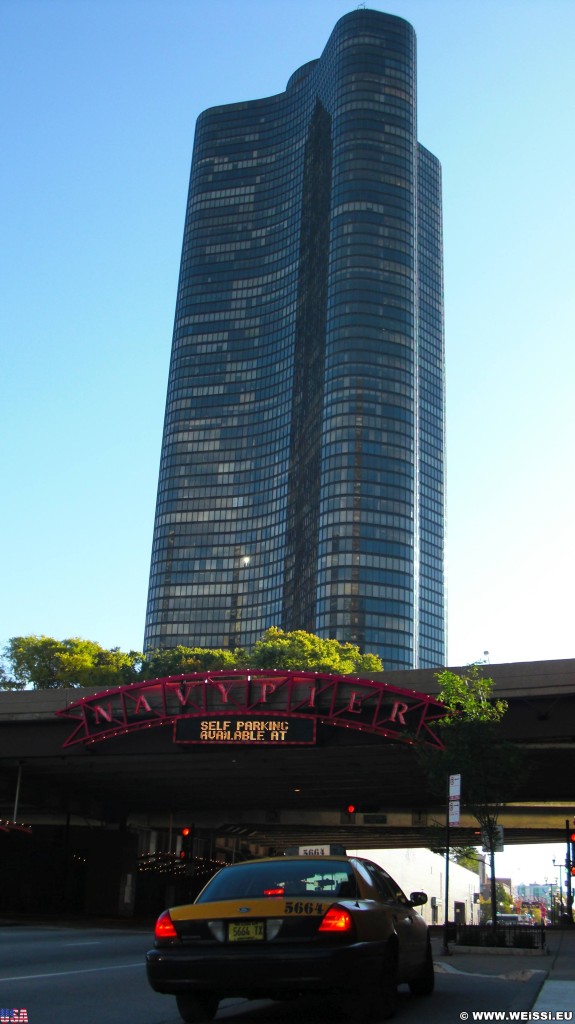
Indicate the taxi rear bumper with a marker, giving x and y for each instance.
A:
(270, 971)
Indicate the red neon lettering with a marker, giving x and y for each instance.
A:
(224, 690)
(266, 688)
(182, 692)
(99, 712)
(295, 703)
(398, 711)
(352, 701)
(182, 697)
(144, 703)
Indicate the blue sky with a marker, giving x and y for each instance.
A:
(98, 102)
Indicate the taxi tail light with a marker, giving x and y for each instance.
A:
(337, 921)
(165, 927)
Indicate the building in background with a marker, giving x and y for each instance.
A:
(416, 869)
(302, 469)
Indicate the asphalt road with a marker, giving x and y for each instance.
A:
(97, 976)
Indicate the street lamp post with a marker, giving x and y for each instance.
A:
(552, 886)
(560, 866)
(548, 897)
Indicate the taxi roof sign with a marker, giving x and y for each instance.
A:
(318, 850)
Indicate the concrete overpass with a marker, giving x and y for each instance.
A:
(268, 795)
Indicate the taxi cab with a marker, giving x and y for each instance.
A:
(312, 921)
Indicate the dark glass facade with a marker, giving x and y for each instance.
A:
(302, 470)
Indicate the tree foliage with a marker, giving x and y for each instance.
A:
(468, 697)
(175, 661)
(474, 746)
(466, 857)
(43, 663)
(301, 650)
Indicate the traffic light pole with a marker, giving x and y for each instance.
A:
(570, 866)
(445, 948)
(453, 791)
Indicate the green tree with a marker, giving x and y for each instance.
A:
(43, 663)
(466, 857)
(474, 748)
(176, 661)
(301, 650)
(504, 900)
(34, 661)
(469, 697)
(504, 904)
(7, 682)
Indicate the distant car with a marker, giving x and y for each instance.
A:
(283, 926)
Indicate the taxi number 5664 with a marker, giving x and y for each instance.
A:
(299, 907)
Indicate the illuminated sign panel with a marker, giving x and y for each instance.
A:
(298, 700)
(233, 729)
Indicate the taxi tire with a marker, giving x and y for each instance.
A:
(195, 1009)
(425, 983)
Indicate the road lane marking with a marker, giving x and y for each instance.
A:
(65, 974)
(95, 942)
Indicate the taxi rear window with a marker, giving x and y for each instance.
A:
(281, 878)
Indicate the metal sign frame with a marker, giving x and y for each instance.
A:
(364, 705)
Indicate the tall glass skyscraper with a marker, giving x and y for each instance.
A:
(302, 470)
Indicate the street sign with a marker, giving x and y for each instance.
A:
(497, 839)
(454, 812)
(455, 787)
(454, 799)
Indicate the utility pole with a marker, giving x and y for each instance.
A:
(569, 866)
(451, 818)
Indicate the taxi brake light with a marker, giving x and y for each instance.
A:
(274, 892)
(165, 927)
(338, 920)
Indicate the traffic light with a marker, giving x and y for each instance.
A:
(186, 852)
(351, 810)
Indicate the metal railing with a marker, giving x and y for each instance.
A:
(516, 936)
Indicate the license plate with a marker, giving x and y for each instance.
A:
(246, 931)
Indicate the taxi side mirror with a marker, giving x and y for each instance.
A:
(417, 899)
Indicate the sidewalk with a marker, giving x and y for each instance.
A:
(558, 992)
(554, 967)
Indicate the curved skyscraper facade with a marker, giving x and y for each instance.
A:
(302, 470)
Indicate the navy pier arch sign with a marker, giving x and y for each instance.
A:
(255, 706)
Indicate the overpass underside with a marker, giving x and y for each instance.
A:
(114, 757)
(107, 783)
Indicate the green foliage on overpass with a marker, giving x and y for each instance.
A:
(43, 663)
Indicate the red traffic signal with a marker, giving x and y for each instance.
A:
(348, 814)
(186, 852)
